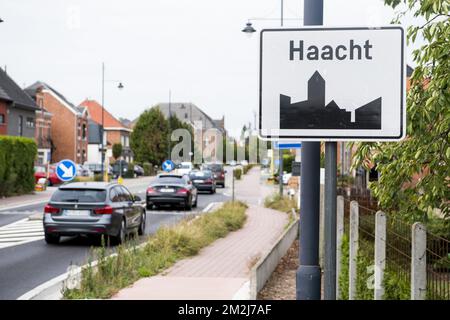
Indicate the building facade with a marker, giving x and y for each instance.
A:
(69, 124)
(114, 131)
(17, 109)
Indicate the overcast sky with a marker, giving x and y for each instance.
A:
(193, 47)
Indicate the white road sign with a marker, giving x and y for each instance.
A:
(332, 84)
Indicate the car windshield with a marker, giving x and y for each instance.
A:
(200, 174)
(79, 195)
(170, 180)
(214, 167)
(185, 166)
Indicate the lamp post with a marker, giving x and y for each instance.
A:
(1, 20)
(120, 86)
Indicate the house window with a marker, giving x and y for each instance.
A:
(30, 123)
(2, 118)
(20, 128)
(84, 131)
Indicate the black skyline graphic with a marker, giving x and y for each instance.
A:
(314, 114)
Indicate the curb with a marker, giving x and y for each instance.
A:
(264, 268)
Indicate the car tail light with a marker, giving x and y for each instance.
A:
(104, 210)
(183, 191)
(50, 209)
(151, 190)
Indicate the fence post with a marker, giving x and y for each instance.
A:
(353, 252)
(418, 262)
(339, 235)
(380, 254)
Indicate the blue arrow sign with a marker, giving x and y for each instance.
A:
(278, 145)
(168, 165)
(66, 170)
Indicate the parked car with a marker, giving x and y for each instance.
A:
(185, 168)
(138, 170)
(96, 168)
(41, 172)
(218, 173)
(83, 171)
(172, 189)
(95, 209)
(203, 180)
(120, 167)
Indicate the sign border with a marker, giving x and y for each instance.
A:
(338, 138)
(74, 174)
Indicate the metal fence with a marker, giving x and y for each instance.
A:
(398, 245)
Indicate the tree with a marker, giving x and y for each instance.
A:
(415, 173)
(149, 137)
(117, 150)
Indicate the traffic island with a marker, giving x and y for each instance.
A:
(166, 247)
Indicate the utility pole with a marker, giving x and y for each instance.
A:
(308, 273)
(169, 133)
(103, 118)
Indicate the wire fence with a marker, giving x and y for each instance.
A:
(398, 245)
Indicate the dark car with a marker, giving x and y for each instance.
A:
(173, 190)
(93, 209)
(203, 180)
(218, 172)
(138, 170)
(120, 168)
(96, 168)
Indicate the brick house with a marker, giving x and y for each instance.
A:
(69, 124)
(114, 130)
(17, 109)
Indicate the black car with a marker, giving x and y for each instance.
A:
(203, 180)
(173, 190)
(218, 172)
(138, 170)
(120, 168)
(93, 209)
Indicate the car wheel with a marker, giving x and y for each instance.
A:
(51, 238)
(188, 205)
(194, 205)
(149, 206)
(141, 229)
(120, 238)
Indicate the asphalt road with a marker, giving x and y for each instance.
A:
(25, 266)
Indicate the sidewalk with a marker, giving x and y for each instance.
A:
(26, 199)
(221, 270)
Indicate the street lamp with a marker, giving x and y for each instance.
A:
(248, 30)
(1, 20)
(120, 87)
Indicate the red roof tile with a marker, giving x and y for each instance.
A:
(95, 112)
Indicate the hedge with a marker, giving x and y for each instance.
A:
(17, 156)
(237, 173)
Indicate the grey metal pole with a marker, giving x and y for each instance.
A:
(282, 9)
(103, 129)
(330, 221)
(232, 185)
(308, 273)
(280, 176)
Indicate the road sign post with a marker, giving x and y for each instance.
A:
(308, 273)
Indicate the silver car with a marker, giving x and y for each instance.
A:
(93, 209)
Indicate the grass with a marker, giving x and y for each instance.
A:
(284, 204)
(163, 249)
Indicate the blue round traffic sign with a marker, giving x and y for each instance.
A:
(168, 165)
(66, 170)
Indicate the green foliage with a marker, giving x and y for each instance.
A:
(17, 155)
(162, 250)
(237, 173)
(284, 204)
(117, 150)
(148, 169)
(343, 276)
(149, 137)
(425, 153)
(130, 171)
(98, 177)
(288, 158)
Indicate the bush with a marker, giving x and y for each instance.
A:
(237, 174)
(17, 156)
(287, 162)
(98, 177)
(148, 169)
(162, 250)
(130, 171)
(276, 202)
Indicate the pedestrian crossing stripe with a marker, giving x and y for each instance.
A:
(21, 232)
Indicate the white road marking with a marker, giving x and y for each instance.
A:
(21, 232)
